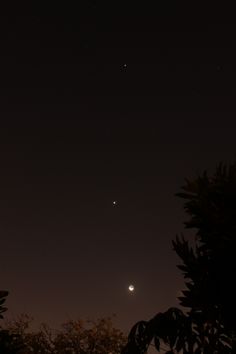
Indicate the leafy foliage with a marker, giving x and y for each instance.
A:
(3, 295)
(209, 267)
(175, 332)
(211, 205)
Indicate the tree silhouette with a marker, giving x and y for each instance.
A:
(9, 343)
(208, 265)
(176, 332)
(74, 337)
(98, 337)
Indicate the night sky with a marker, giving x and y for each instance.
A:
(104, 102)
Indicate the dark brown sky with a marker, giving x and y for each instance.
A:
(99, 103)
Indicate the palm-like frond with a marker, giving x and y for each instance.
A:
(3, 295)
